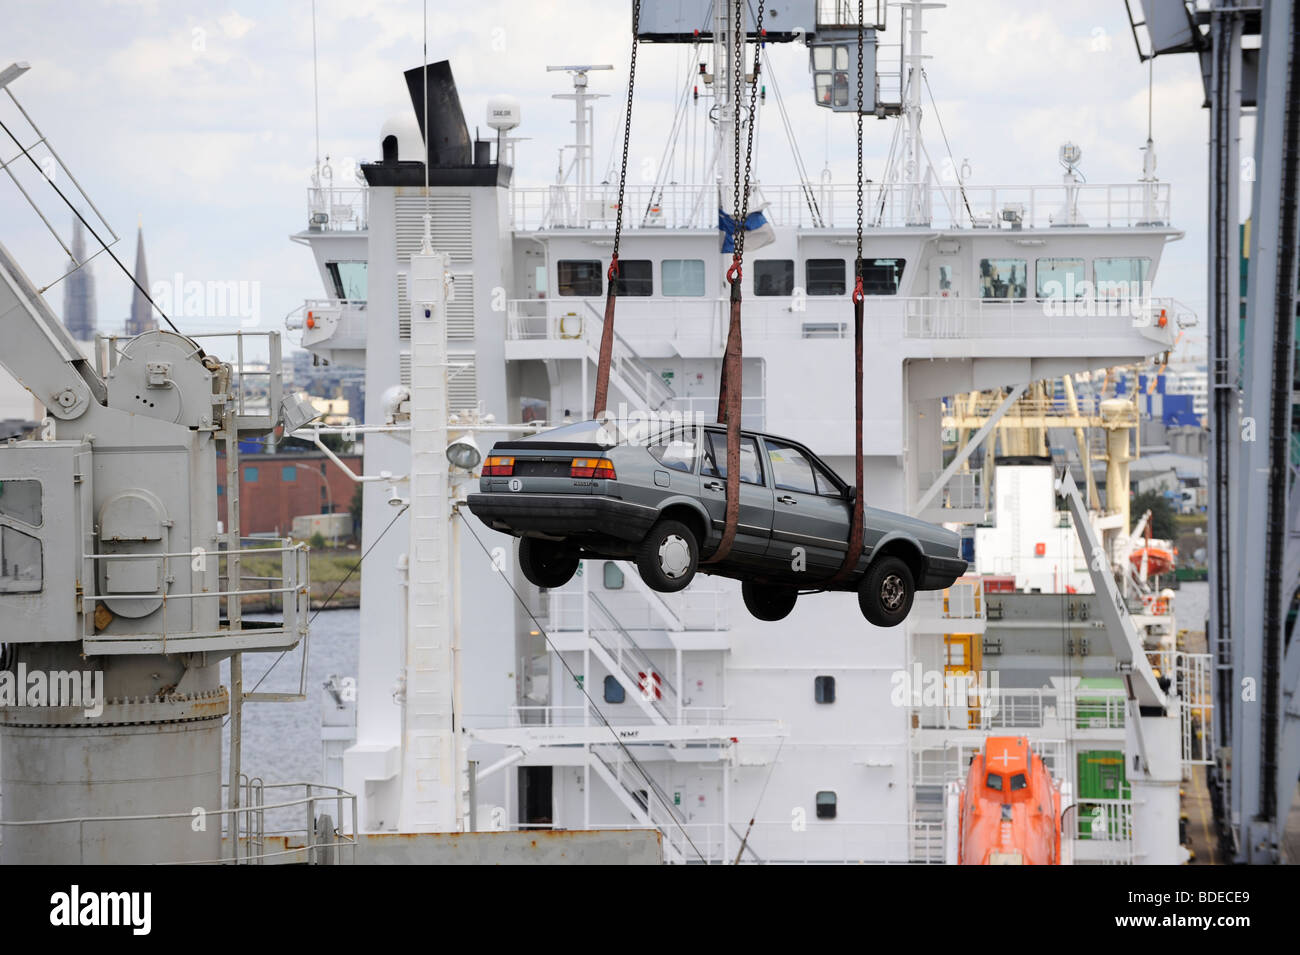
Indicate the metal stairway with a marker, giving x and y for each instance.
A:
(640, 678)
(646, 805)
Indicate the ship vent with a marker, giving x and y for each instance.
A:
(462, 378)
(460, 313)
(449, 227)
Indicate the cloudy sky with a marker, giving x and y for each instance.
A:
(196, 118)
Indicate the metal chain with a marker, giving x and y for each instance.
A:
(737, 53)
(627, 138)
(857, 289)
(749, 145)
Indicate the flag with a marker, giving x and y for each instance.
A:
(758, 231)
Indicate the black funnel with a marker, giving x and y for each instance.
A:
(447, 136)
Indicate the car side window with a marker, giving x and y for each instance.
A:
(826, 485)
(791, 469)
(677, 451)
(715, 458)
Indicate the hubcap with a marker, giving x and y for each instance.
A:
(891, 592)
(674, 556)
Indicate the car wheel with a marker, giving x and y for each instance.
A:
(768, 603)
(668, 556)
(546, 563)
(886, 592)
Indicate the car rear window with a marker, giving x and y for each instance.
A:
(677, 452)
(580, 432)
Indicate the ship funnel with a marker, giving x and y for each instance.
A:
(447, 136)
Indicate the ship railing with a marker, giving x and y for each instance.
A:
(655, 808)
(582, 715)
(1192, 676)
(338, 208)
(952, 204)
(963, 491)
(842, 842)
(703, 606)
(636, 665)
(1105, 826)
(320, 839)
(936, 317)
(972, 702)
(287, 589)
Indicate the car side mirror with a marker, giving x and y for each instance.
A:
(852, 493)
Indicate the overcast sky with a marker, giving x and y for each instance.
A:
(196, 118)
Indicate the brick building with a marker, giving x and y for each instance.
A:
(276, 488)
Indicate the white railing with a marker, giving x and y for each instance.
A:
(702, 606)
(968, 705)
(931, 317)
(578, 715)
(953, 206)
(338, 209)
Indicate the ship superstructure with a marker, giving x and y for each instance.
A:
(602, 704)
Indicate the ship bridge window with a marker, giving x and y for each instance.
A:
(773, 276)
(348, 279)
(21, 500)
(882, 276)
(21, 562)
(1003, 279)
(682, 276)
(635, 277)
(579, 277)
(827, 804)
(1060, 278)
(1120, 278)
(994, 781)
(825, 277)
(1019, 781)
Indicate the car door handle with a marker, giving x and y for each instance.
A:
(713, 486)
(786, 499)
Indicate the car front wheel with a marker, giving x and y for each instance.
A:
(546, 563)
(886, 592)
(668, 556)
(768, 603)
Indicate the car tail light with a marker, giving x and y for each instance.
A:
(592, 468)
(499, 467)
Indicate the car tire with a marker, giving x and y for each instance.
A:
(546, 563)
(886, 592)
(767, 602)
(668, 557)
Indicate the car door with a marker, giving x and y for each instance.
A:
(754, 526)
(810, 513)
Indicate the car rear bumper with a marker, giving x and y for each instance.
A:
(941, 572)
(562, 515)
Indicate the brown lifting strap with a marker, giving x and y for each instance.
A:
(854, 551)
(730, 384)
(605, 356)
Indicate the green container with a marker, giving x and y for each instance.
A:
(1095, 711)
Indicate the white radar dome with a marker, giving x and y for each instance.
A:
(503, 112)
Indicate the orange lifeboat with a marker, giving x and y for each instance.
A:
(1160, 560)
(1010, 810)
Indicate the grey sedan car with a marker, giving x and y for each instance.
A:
(589, 490)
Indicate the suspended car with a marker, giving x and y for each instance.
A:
(595, 490)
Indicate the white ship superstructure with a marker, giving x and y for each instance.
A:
(708, 718)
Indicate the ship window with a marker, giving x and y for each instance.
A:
(579, 276)
(827, 803)
(613, 576)
(635, 277)
(790, 468)
(1120, 278)
(825, 276)
(773, 276)
(1018, 781)
(682, 276)
(822, 57)
(289, 473)
(21, 500)
(21, 562)
(539, 280)
(1060, 278)
(250, 475)
(715, 458)
(882, 276)
(348, 279)
(994, 781)
(676, 452)
(824, 689)
(1003, 279)
(614, 692)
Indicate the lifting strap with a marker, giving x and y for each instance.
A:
(607, 331)
(854, 551)
(730, 382)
